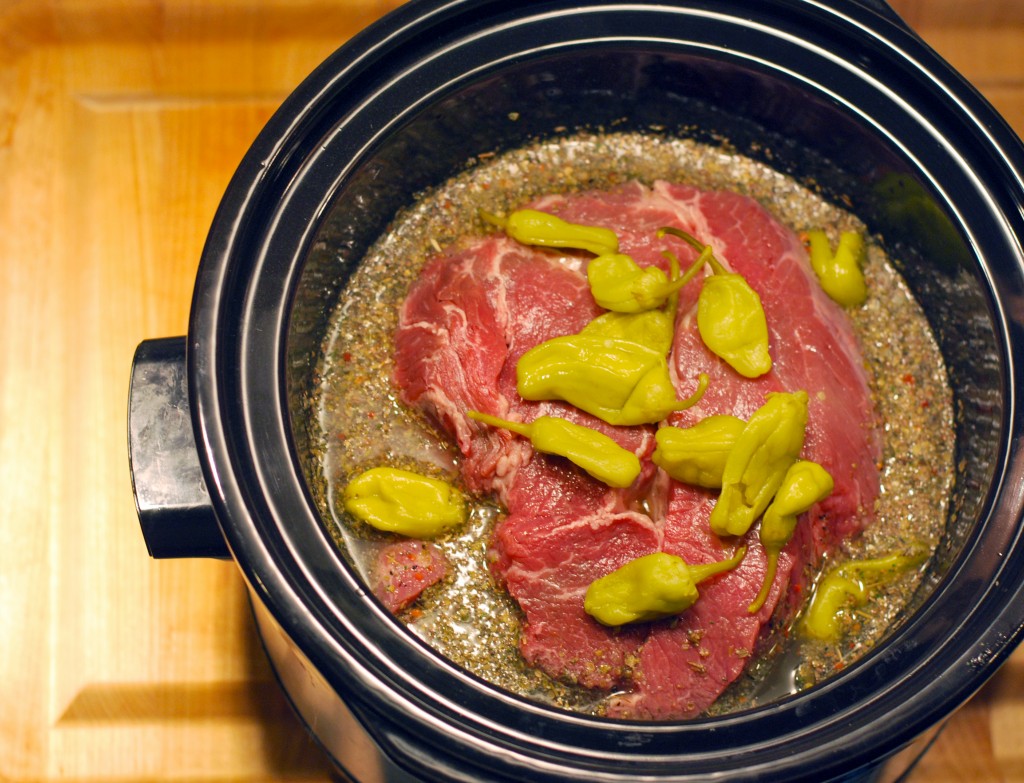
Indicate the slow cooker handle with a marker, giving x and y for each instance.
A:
(174, 507)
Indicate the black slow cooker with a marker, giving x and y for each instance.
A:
(839, 94)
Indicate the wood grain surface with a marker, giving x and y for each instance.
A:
(121, 122)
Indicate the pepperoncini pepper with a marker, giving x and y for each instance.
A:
(769, 443)
(650, 588)
(730, 316)
(697, 455)
(804, 484)
(619, 381)
(593, 451)
(839, 273)
(533, 227)
(651, 328)
(403, 502)
(619, 284)
(654, 328)
(849, 581)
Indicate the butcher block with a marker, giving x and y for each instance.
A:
(121, 122)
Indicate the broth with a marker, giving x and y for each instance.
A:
(362, 424)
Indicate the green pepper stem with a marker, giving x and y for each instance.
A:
(518, 427)
(708, 570)
(494, 220)
(673, 286)
(859, 570)
(693, 399)
(766, 585)
(677, 281)
(689, 239)
(706, 253)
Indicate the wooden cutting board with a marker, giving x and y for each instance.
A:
(121, 122)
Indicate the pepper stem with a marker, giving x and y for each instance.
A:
(494, 220)
(708, 570)
(884, 566)
(677, 282)
(518, 427)
(706, 253)
(766, 585)
(693, 399)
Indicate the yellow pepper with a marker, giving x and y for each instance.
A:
(650, 588)
(619, 381)
(730, 316)
(654, 329)
(845, 585)
(399, 501)
(533, 227)
(834, 592)
(697, 455)
(840, 274)
(804, 484)
(619, 284)
(595, 452)
(769, 443)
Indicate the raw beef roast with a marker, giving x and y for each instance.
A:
(476, 310)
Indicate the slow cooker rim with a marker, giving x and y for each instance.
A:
(203, 347)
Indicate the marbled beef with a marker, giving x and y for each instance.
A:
(478, 308)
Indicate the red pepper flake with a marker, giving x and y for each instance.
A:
(908, 379)
(371, 415)
(347, 356)
(925, 404)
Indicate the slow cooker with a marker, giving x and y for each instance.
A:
(838, 94)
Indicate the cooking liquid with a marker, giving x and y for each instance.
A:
(364, 425)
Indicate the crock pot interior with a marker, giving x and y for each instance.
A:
(348, 152)
(803, 134)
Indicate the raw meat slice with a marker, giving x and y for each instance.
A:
(477, 309)
(547, 560)
(404, 569)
